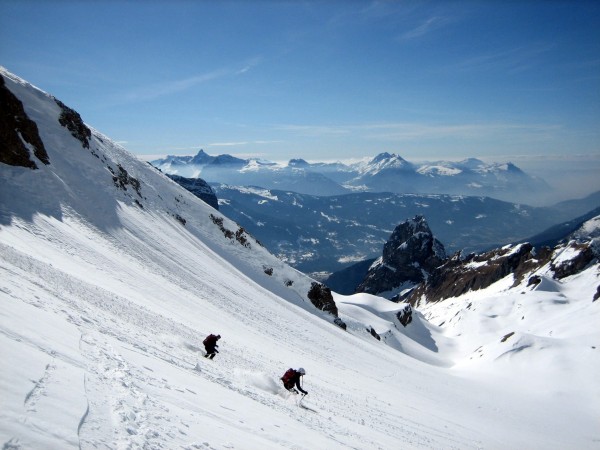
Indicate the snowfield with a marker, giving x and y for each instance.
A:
(107, 294)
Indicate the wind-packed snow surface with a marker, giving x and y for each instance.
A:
(109, 287)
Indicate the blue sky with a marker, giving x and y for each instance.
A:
(322, 80)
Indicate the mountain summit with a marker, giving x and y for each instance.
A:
(386, 161)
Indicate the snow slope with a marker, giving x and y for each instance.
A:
(107, 295)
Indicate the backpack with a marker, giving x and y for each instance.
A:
(209, 340)
(288, 376)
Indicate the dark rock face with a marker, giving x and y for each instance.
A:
(71, 120)
(199, 188)
(410, 254)
(16, 127)
(507, 336)
(405, 315)
(597, 294)
(340, 323)
(122, 179)
(374, 333)
(320, 296)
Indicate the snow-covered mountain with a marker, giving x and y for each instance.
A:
(505, 181)
(251, 172)
(383, 173)
(111, 275)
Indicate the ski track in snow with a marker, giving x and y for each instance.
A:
(114, 398)
(113, 328)
(33, 396)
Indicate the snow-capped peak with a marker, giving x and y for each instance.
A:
(386, 161)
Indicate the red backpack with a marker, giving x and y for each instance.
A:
(288, 376)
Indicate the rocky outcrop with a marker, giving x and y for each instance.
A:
(404, 316)
(71, 120)
(409, 256)
(18, 133)
(374, 333)
(458, 276)
(122, 179)
(573, 259)
(340, 323)
(240, 235)
(199, 188)
(320, 296)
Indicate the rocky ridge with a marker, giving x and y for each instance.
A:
(414, 268)
(521, 261)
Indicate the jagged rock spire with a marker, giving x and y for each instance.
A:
(410, 254)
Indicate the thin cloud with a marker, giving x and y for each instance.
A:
(513, 60)
(156, 90)
(267, 142)
(227, 144)
(315, 130)
(431, 24)
(250, 65)
(408, 131)
(414, 131)
(242, 143)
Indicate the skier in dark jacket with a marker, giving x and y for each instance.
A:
(292, 377)
(210, 345)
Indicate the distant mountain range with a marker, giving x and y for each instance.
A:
(384, 173)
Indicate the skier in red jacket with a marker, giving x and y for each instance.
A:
(292, 377)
